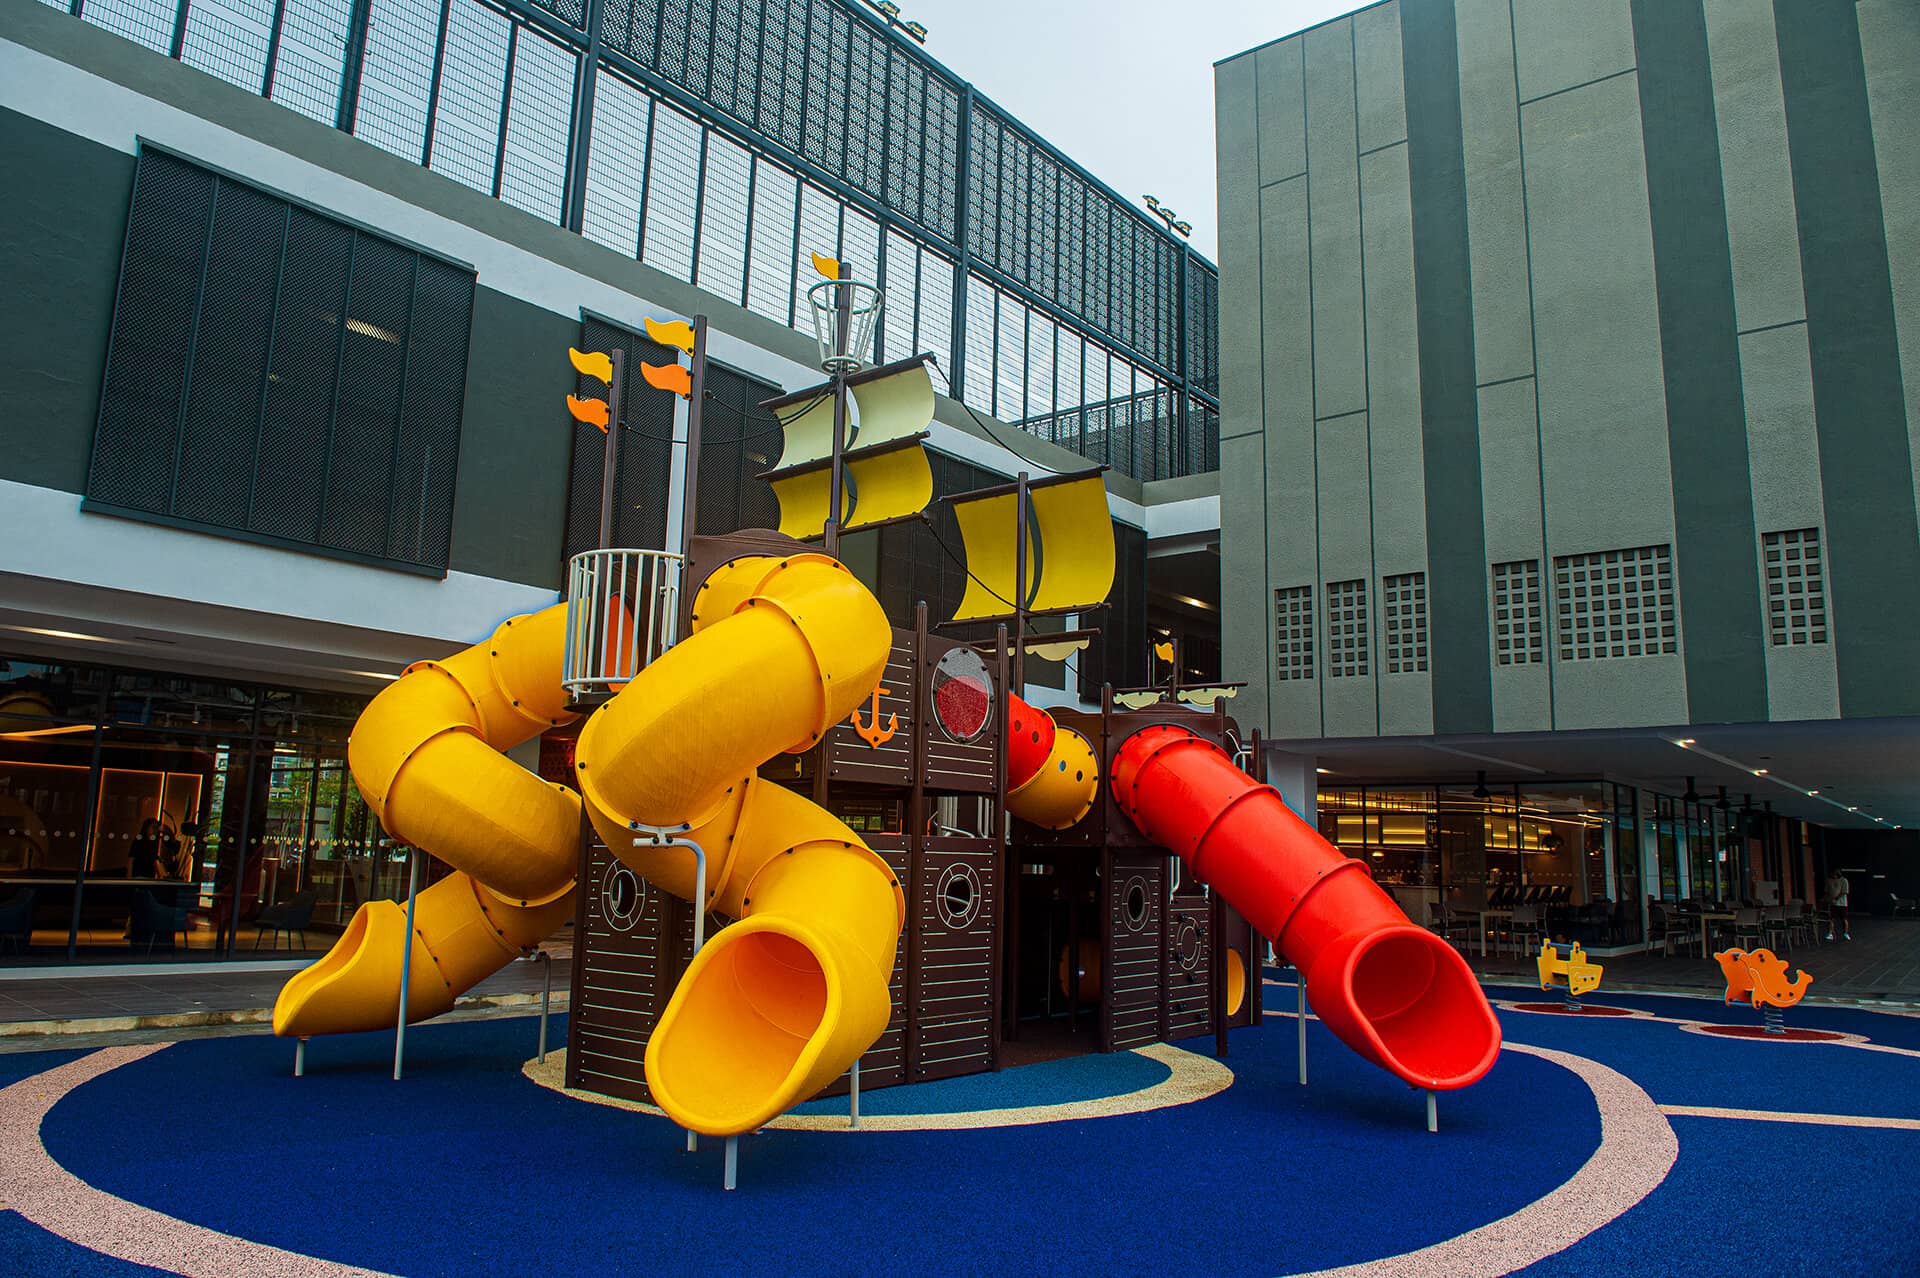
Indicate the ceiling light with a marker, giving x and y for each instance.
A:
(1684, 742)
(29, 734)
(1325, 772)
(1811, 793)
(1853, 809)
(1759, 772)
(56, 634)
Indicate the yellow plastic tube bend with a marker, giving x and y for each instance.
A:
(426, 755)
(780, 1003)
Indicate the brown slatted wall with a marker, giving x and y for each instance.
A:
(1136, 895)
(952, 990)
(621, 987)
(1189, 968)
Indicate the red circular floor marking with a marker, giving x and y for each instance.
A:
(1788, 1036)
(1561, 1009)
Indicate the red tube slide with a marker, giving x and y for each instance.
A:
(1395, 993)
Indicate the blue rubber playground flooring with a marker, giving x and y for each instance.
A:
(467, 1167)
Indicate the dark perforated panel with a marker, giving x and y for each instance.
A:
(741, 440)
(280, 375)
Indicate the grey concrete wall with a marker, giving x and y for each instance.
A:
(1576, 446)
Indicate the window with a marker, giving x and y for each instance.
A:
(1796, 592)
(1293, 632)
(280, 376)
(1519, 622)
(1404, 601)
(1615, 603)
(1346, 629)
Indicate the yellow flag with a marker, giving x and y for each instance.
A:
(591, 364)
(1164, 651)
(829, 267)
(676, 333)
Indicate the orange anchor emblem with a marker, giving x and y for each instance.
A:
(871, 732)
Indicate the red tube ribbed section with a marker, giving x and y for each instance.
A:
(1395, 993)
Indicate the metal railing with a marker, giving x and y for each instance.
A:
(623, 610)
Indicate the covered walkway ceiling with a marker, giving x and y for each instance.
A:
(1861, 768)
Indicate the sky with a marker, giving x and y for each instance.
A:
(1125, 88)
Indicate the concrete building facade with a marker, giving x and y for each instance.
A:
(1571, 366)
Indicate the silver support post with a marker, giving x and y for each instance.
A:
(300, 1058)
(414, 857)
(731, 1176)
(1433, 1110)
(1301, 986)
(853, 1108)
(546, 1001)
(663, 837)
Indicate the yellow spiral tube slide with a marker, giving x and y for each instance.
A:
(426, 754)
(780, 1003)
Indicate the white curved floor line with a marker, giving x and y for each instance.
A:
(1637, 1150)
(1792, 1116)
(55, 1199)
(1191, 1077)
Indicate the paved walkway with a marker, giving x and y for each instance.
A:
(205, 994)
(1881, 963)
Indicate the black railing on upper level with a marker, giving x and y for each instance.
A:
(721, 140)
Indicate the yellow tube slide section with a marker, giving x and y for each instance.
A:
(426, 755)
(780, 1003)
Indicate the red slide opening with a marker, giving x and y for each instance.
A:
(1395, 993)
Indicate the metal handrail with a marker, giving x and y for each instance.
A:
(623, 611)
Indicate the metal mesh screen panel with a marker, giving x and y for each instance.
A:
(306, 72)
(533, 163)
(1118, 654)
(739, 440)
(279, 375)
(397, 73)
(466, 119)
(228, 39)
(617, 165)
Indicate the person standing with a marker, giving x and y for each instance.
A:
(1837, 905)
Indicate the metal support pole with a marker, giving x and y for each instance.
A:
(731, 1176)
(1433, 1110)
(414, 857)
(1019, 600)
(669, 837)
(1301, 987)
(853, 1107)
(300, 1058)
(690, 461)
(546, 1000)
(837, 474)
(610, 463)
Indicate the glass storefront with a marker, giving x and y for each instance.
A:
(152, 816)
(1592, 856)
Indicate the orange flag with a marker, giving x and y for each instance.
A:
(591, 411)
(670, 377)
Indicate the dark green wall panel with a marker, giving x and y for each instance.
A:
(1873, 546)
(509, 510)
(59, 263)
(1443, 291)
(1720, 606)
